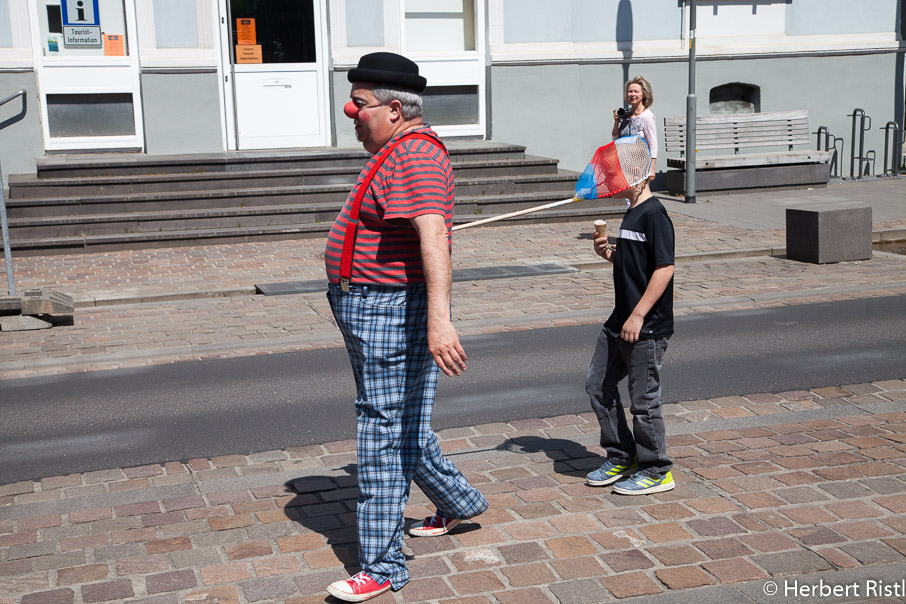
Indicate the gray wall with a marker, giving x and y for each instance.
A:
(181, 112)
(21, 139)
(570, 115)
(531, 21)
(804, 17)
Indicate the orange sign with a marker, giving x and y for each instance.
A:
(114, 45)
(245, 32)
(248, 53)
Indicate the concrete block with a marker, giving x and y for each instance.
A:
(10, 306)
(23, 323)
(821, 234)
(46, 302)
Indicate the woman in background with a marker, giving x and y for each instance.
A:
(638, 119)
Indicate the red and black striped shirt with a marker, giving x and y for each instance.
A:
(416, 179)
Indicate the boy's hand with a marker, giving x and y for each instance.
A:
(602, 248)
(632, 328)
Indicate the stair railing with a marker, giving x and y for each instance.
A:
(7, 252)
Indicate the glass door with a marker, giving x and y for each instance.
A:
(446, 39)
(88, 74)
(278, 86)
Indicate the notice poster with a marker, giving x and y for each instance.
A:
(248, 53)
(245, 32)
(114, 45)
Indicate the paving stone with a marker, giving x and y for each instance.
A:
(271, 588)
(808, 515)
(225, 573)
(162, 546)
(578, 568)
(627, 560)
(715, 527)
(524, 575)
(768, 542)
(630, 585)
(846, 490)
(110, 590)
(224, 594)
(785, 564)
(531, 595)
(816, 535)
(718, 549)
(569, 547)
(580, 591)
(734, 570)
(141, 565)
(54, 596)
(868, 552)
(523, 552)
(475, 582)
(862, 530)
(172, 581)
(252, 549)
(665, 533)
(683, 577)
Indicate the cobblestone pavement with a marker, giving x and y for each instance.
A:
(777, 486)
(804, 486)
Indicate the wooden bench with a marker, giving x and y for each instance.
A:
(758, 170)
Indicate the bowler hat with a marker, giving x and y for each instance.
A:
(388, 68)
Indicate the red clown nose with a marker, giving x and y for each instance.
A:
(351, 110)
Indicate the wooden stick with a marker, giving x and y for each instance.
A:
(546, 206)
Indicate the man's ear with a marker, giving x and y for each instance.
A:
(396, 109)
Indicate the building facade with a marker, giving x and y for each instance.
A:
(190, 76)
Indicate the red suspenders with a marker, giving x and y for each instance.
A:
(353, 224)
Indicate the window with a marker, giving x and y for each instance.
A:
(77, 115)
(450, 105)
(735, 98)
(438, 26)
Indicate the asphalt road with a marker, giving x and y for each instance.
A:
(108, 419)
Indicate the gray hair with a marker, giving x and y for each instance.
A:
(411, 101)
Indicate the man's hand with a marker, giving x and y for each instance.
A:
(443, 342)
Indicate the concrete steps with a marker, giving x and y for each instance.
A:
(117, 201)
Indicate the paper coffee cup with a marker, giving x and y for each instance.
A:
(601, 228)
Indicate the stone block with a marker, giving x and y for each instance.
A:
(46, 302)
(10, 305)
(821, 234)
(23, 323)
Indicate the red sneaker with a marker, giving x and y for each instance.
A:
(357, 588)
(433, 526)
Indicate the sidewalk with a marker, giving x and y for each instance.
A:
(803, 486)
(795, 486)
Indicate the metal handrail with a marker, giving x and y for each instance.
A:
(7, 253)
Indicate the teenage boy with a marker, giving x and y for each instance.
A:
(632, 344)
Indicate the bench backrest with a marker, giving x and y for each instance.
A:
(737, 130)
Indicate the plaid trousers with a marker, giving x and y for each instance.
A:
(386, 334)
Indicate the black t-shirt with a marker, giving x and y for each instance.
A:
(645, 241)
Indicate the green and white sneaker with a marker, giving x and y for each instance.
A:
(608, 473)
(640, 484)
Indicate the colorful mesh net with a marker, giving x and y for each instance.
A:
(615, 167)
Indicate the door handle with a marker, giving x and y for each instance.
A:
(285, 83)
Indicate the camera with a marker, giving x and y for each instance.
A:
(621, 112)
